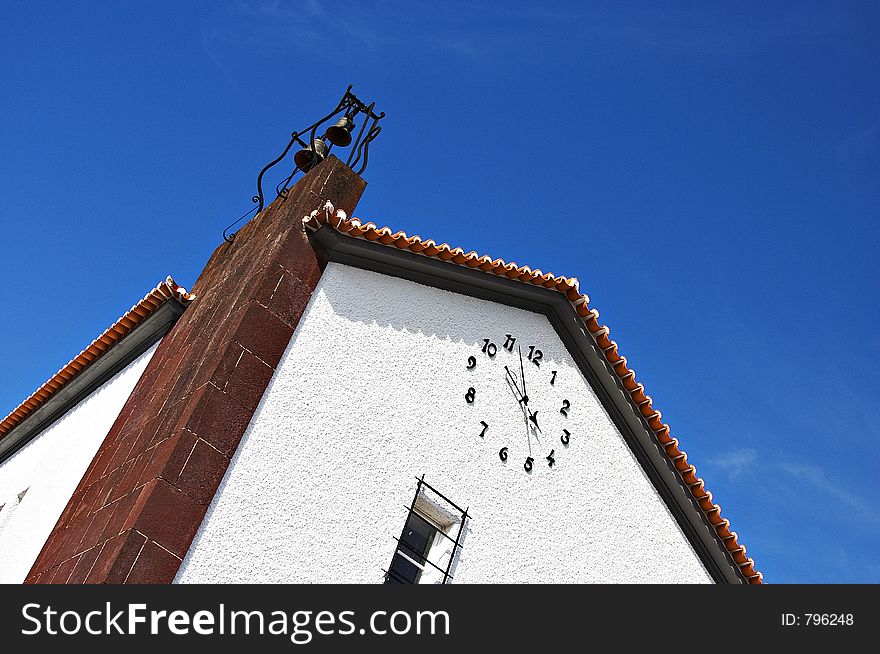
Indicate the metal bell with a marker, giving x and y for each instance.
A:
(340, 133)
(305, 159)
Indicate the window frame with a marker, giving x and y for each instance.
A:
(438, 532)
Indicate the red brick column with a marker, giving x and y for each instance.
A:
(138, 506)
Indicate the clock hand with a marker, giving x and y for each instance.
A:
(523, 402)
(523, 399)
(528, 415)
(533, 416)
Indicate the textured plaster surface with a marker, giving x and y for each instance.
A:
(370, 394)
(50, 466)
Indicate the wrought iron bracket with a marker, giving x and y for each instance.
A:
(350, 107)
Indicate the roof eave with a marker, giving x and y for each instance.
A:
(129, 337)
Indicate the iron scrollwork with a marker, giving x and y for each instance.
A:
(316, 148)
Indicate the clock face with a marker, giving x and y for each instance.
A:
(531, 432)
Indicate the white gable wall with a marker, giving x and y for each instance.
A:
(50, 466)
(370, 394)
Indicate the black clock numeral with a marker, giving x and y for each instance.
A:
(508, 344)
(550, 459)
(527, 466)
(472, 362)
(489, 348)
(566, 405)
(535, 356)
(470, 395)
(485, 427)
(566, 436)
(553, 378)
(502, 454)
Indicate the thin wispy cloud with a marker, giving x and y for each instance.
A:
(338, 31)
(472, 32)
(685, 31)
(803, 481)
(214, 59)
(819, 480)
(735, 462)
(804, 496)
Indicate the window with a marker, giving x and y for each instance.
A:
(431, 539)
(418, 535)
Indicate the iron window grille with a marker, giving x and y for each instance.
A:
(420, 535)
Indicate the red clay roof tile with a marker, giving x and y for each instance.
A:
(116, 332)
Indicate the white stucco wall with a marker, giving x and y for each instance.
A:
(370, 394)
(50, 466)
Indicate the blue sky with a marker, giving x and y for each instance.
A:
(710, 174)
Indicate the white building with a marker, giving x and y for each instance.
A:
(336, 402)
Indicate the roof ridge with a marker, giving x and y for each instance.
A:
(354, 227)
(164, 290)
